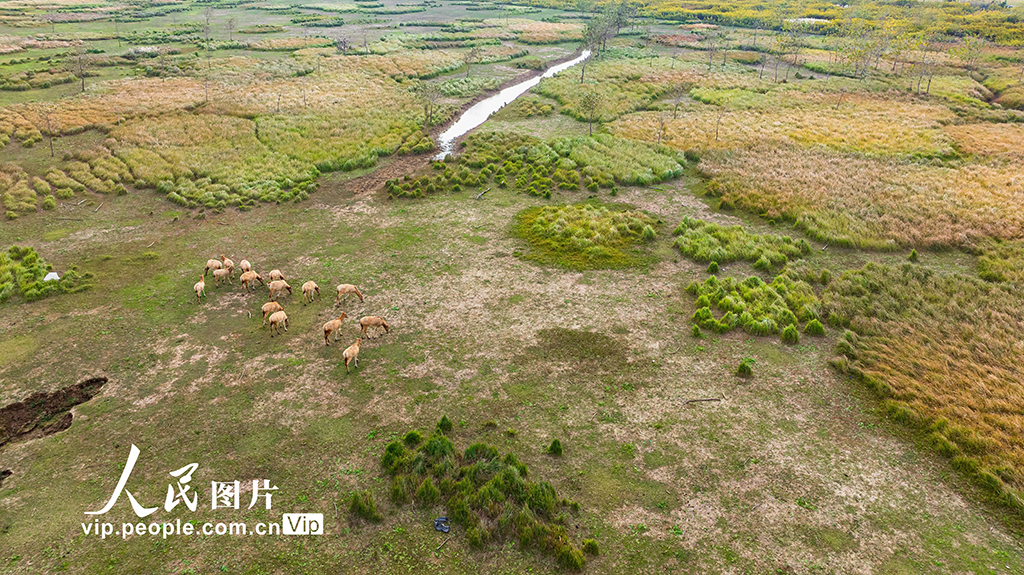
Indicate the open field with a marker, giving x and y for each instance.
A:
(726, 300)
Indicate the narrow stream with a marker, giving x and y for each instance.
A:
(482, 110)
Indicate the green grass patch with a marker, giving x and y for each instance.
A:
(22, 272)
(16, 349)
(1003, 262)
(710, 242)
(757, 307)
(538, 168)
(586, 236)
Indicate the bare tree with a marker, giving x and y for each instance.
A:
(713, 39)
(590, 102)
(49, 130)
(678, 91)
(471, 56)
(661, 126)
(968, 51)
(430, 94)
(230, 25)
(81, 63)
(207, 13)
(758, 21)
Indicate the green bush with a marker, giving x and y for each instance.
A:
(590, 547)
(412, 439)
(713, 268)
(746, 368)
(427, 492)
(756, 307)
(362, 507)
(49, 203)
(696, 331)
(555, 448)
(790, 335)
(445, 425)
(913, 256)
(22, 270)
(814, 328)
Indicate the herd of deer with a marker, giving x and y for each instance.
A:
(224, 268)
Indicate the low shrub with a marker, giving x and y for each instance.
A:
(555, 448)
(361, 506)
(22, 271)
(412, 439)
(746, 368)
(488, 495)
(814, 328)
(756, 307)
(790, 335)
(445, 425)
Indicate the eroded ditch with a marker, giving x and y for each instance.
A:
(42, 414)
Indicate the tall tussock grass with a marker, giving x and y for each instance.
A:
(944, 353)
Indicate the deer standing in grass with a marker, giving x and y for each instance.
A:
(351, 354)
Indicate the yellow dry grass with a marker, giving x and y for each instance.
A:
(869, 123)
(871, 202)
(947, 347)
(987, 139)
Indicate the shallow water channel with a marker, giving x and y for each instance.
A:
(482, 110)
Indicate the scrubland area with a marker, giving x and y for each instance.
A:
(741, 293)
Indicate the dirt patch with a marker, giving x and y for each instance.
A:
(42, 414)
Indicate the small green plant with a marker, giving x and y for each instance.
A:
(555, 448)
(746, 368)
(445, 426)
(590, 547)
(814, 328)
(806, 504)
(790, 335)
(913, 256)
(362, 507)
(713, 268)
(696, 331)
(490, 424)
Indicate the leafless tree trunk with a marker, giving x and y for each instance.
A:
(49, 130)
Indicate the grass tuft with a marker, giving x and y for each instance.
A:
(555, 448)
(361, 506)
